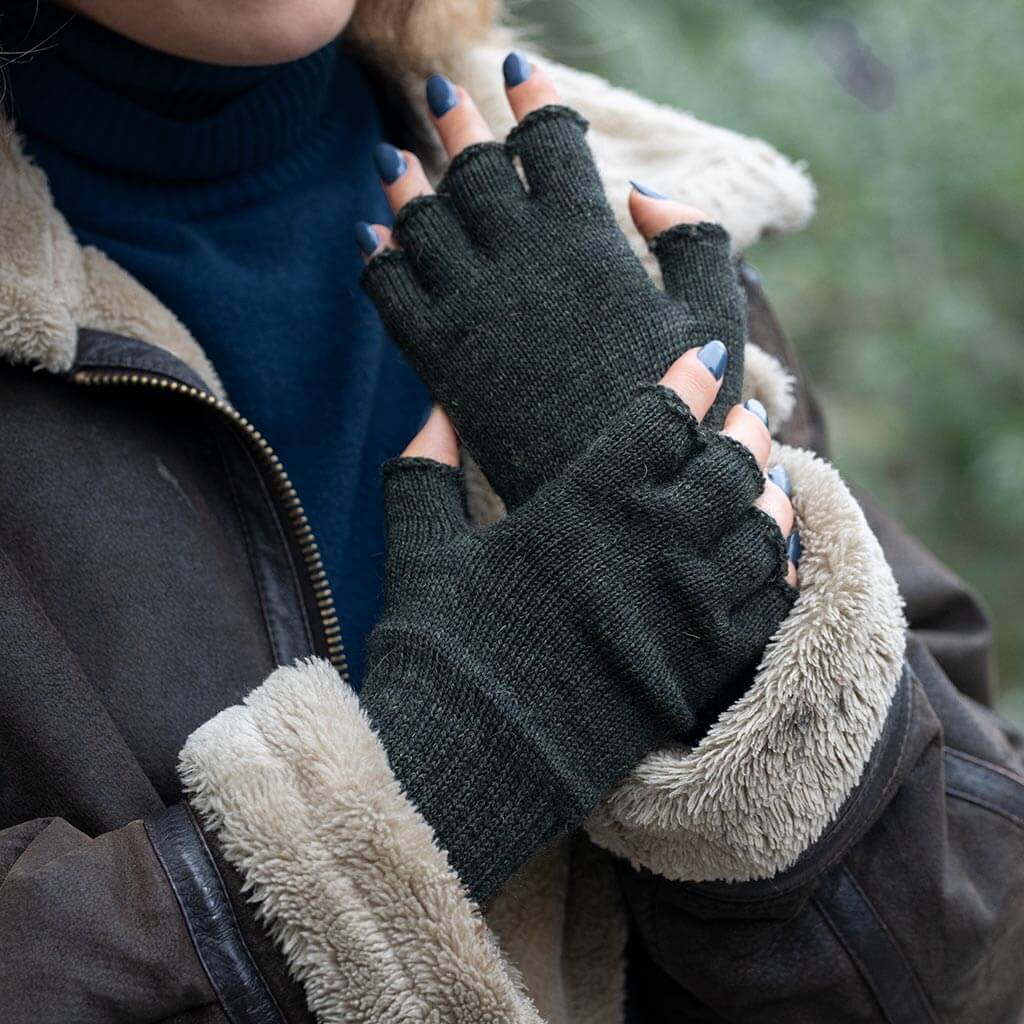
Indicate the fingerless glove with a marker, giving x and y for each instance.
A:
(519, 671)
(526, 312)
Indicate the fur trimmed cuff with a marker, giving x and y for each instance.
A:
(344, 871)
(775, 768)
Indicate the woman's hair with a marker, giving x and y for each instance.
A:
(411, 34)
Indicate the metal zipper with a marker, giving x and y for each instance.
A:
(283, 487)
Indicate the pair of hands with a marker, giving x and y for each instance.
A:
(462, 130)
(521, 670)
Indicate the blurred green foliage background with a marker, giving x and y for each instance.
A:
(905, 297)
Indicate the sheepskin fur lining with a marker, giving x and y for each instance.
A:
(344, 872)
(562, 923)
(50, 286)
(773, 771)
(349, 880)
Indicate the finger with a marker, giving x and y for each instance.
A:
(527, 86)
(776, 503)
(455, 115)
(696, 376)
(436, 440)
(372, 239)
(748, 424)
(794, 548)
(401, 174)
(654, 212)
(550, 142)
(424, 503)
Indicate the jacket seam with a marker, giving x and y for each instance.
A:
(257, 569)
(219, 893)
(988, 766)
(866, 975)
(887, 931)
(977, 801)
(289, 558)
(854, 957)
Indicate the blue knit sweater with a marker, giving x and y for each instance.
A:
(231, 193)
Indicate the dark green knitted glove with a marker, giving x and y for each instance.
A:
(525, 310)
(519, 671)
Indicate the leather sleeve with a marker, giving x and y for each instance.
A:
(135, 924)
(90, 930)
(910, 908)
(909, 911)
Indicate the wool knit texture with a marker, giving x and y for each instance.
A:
(519, 671)
(526, 312)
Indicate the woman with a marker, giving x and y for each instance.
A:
(838, 839)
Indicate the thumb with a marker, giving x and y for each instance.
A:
(436, 440)
(696, 376)
(423, 489)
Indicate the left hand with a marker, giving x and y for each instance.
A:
(520, 670)
(524, 308)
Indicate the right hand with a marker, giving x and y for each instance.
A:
(519, 671)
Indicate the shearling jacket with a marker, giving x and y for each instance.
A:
(198, 824)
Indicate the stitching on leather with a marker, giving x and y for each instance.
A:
(862, 970)
(221, 894)
(278, 527)
(898, 764)
(884, 928)
(988, 766)
(259, 576)
(987, 805)
(201, 836)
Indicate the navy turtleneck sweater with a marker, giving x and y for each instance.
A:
(231, 193)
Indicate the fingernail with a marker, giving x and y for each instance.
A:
(426, 416)
(516, 69)
(794, 548)
(754, 406)
(646, 190)
(441, 95)
(715, 356)
(779, 477)
(390, 163)
(366, 238)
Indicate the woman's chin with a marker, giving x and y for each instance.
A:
(230, 32)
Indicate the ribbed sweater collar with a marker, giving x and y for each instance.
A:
(127, 108)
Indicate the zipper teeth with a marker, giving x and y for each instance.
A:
(286, 493)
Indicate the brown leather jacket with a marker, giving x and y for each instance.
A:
(175, 845)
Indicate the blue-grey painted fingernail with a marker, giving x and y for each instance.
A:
(390, 163)
(366, 238)
(750, 272)
(715, 356)
(441, 95)
(516, 69)
(754, 406)
(794, 548)
(779, 477)
(646, 190)
(426, 416)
